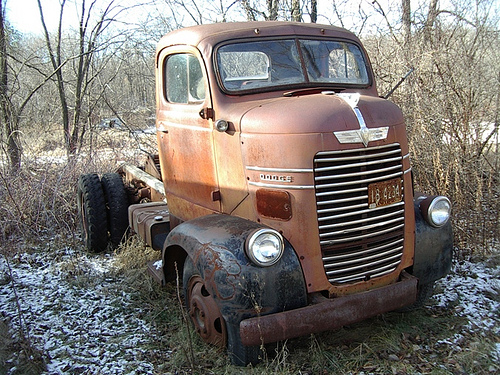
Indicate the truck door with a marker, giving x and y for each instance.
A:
(185, 134)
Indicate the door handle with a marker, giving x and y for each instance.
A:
(162, 127)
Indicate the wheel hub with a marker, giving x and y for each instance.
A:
(205, 313)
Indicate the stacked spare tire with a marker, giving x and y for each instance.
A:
(102, 210)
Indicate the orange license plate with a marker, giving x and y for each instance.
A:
(385, 193)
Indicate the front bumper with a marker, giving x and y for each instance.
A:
(328, 314)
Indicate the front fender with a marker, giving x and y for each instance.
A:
(216, 244)
(433, 248)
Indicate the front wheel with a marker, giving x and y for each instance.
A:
(239, 354)
(209, 322)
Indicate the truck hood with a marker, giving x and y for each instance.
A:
(318, 113)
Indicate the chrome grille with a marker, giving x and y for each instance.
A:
(358, 242)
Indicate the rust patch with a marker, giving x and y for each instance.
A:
(221, 270)
(275, 204)
(328, 314)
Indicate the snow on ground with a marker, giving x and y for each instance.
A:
(92, 326)
(89, 327)
(473, 291)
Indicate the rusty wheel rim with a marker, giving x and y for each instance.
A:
(205, 314)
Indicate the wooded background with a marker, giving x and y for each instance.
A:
(57, 86)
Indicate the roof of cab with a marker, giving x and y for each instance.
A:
(218, 32)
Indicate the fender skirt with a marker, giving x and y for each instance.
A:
(216, 244)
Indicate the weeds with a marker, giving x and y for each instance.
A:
(410, 343)
(189, 350)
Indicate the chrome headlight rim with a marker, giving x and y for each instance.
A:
(252, 249)
(430, 208)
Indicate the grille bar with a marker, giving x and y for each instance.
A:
(361, 212)
(347, 191)
(360, 276)
(396, 244)
(337, 209)
(364, 173)
(361, 237)
(364, 164)
(365, 259)
(344, 200)
(357, 182)
(367, 264)
(362, 228)
(362, 221)
(358, 242)
(346, 158)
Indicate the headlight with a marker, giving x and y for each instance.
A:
(265, 247)
(436, 210)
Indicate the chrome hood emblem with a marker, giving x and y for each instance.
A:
(364, 134)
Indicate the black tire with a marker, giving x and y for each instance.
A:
(239, 354)
(92, 213)
(216, 330)
(116, 206)
(424, 292)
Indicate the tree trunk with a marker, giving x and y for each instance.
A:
(296, 16)
(10, 123)
(406, 20)
(431, 19)
(248, 10)
(314, 11)
(272, 7)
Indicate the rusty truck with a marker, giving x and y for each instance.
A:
(282, 193)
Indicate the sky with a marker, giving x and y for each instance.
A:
(25, 17)
(24, 14)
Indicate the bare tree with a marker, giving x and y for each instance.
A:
(314, 11)
(91, 41)
(451, 105)
(295, 11)
(406, 21)
(198, 12)
(10, 127)
(272, 9)
(190, 7)
(431, 18)
(249, 11)
(15, 93)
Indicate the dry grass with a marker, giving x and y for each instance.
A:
(393, 343)
(39, 201)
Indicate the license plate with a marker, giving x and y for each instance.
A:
(385, 193)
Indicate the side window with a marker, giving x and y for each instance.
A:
(184, 81)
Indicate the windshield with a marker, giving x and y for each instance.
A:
(290, 62)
